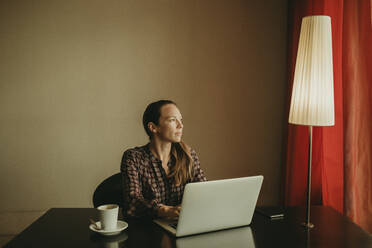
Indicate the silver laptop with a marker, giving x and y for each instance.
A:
(215, 205)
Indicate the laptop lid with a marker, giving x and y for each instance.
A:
(216, 205)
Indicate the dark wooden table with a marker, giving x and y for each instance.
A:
(68, 227)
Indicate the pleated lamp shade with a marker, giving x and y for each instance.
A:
(312, 101)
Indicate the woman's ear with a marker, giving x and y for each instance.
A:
(152, 127)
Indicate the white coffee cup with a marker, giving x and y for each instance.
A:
(108, 216)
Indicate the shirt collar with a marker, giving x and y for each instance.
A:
(150, 154)
(155, 159)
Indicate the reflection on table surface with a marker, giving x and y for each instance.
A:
(234, 238)
(115, 241)
(152, 235)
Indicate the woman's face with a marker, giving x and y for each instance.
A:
(170, 124)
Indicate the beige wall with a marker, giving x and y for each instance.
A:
(75, 77)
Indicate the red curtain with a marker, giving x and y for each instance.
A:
(342, 154)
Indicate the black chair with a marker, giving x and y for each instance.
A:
(110, 191)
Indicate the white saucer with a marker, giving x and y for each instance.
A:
(121, 225)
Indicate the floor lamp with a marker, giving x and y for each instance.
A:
(312, 102)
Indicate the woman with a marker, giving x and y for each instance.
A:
(155, 175)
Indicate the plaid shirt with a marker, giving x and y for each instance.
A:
(146, 185)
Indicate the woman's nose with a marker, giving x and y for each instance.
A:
(179, 124)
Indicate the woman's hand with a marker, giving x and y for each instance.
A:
(169, 212)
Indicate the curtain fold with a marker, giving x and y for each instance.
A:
(341, 156)
(357, 78)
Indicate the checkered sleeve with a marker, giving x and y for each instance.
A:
(135, 205)
(198, 174)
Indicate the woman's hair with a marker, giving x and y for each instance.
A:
(182, 171)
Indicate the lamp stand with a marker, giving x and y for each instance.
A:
(308, 203)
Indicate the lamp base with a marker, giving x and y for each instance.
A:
(308, 225)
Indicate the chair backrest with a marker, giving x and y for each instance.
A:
(109, 191)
